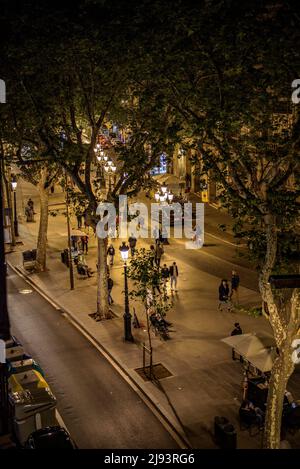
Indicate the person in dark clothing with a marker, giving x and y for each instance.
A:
(85, 244)
(29, 214)
(174, 275)
(235, 283)
(110, 284)
(79, 221)
(250, 414)
(224, 294)
(158, 253)
(165, 274)
(152, 253)
(132, 243)
(236, 331)
(30, 204)
(111, 254)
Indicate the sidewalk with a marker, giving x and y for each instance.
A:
(204, 381)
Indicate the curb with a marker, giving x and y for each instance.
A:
(172, 428)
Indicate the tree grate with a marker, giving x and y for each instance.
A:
(159, 371)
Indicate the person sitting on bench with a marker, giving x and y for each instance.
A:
(82, 267)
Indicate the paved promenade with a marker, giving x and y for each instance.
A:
(204, 381)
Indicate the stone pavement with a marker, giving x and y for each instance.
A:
(204, 381)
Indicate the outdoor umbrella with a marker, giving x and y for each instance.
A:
(78, 233)
(250, 344)
(264, 359)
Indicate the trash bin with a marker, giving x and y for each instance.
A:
(62, 255)
(225, 433)
(14, 353)
(25, 364)
(32, 403)
(66, 255)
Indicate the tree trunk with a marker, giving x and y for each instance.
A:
(284, 330)
(43, 228)
(102, 291)
(282, 369)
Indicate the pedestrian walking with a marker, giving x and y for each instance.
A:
(165, 274)
(236, 331)
(152, 253)
(158, 254)
(30, 204)
(79, 220)
(86, 219)
(29, 214)
(110, 284)
(111, 254)
(224, 295)
(235, 283)
(85, 244)
(174, 275)
(197, 232)
(156, 234)
(132, 243)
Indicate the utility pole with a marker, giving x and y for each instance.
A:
(69, 235)
(4, 320)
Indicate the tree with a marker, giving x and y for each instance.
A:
(90, 82)
(146, 278)
(227, 80)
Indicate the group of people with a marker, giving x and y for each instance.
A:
(79, 217)
(170, 273)
(227, 294)
(80, 243)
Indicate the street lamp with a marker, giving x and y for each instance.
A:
(102, 159)
(14, 189)
(170, 196)
(110, 169)
(164, 189)
(163, 195)
(124, 250)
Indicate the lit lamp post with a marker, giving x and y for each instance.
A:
(14, 189)
(124, 250)
(163, 195)
(110, 169)
(102, 159)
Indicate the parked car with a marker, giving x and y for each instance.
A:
(50, 437)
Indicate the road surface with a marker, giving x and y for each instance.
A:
(97, 405)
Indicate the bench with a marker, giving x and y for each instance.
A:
(29, 258)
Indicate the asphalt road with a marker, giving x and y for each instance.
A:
(97, 405)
